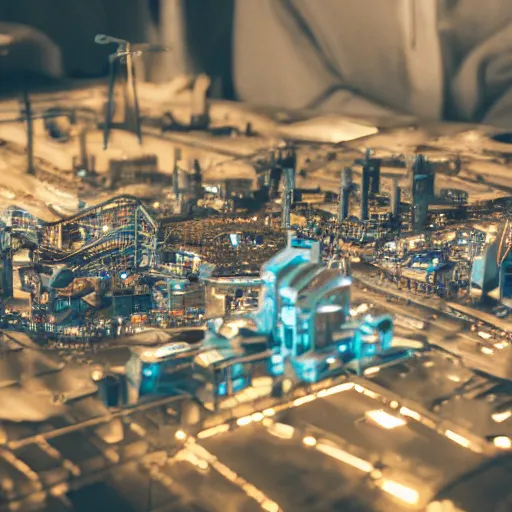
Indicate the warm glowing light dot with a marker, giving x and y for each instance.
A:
(202, 464)
(500, 417)
(180, 435)
(97, 375)
(309, 441)
(502, 442)
(376, 474)
(244, 421)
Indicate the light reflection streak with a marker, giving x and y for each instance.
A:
(400, 491)
(404, 411)
(457, 438)
(213, 431)
(198, 453)
(343, 456)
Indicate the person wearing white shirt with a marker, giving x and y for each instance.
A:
(433, 59)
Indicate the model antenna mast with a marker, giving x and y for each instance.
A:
(123, 56)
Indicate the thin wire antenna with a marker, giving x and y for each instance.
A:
(110, 100)
(135, 99)
(123, 54)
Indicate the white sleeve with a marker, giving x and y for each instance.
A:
(345, 102)
(482, 88)
(275, 63)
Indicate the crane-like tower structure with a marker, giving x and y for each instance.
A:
(121, 62)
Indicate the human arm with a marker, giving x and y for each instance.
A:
(277, 62)
(482, 88)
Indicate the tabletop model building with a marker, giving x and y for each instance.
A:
(209, 308)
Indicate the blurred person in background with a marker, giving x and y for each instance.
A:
(435, 59)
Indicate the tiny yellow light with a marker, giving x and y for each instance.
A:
(257, 416)
(402, 492)
(245, 420)
(503, 443)
(180, 435)
(500, 417)
(309, 441)
(97, 375)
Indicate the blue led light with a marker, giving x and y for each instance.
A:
(277, 369)
(234, 239)
(371, 349)
(147, 372)
(343, 348)
(277, 358)
(123, 275)
(310, 374)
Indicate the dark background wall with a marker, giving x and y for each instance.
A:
(203, 37)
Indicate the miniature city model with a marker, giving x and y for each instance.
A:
(207, 308)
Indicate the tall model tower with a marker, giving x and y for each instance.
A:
(396, 198)
(422, 190)
(365, 192)
(287, 161)
(345, 188)
(372, 168)
(287, 198)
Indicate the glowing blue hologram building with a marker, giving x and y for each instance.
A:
(504, 260)
(305, 312)
(296, 252)
(313, 312)
(6, 268)
(303, 329)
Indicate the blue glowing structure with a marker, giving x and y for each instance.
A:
(234, 238)
(305, 311)
(430, 268)
(504, 260)
(303, 331)
(6, 263)
(296, 252)
(373, 337)
(313, 309)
